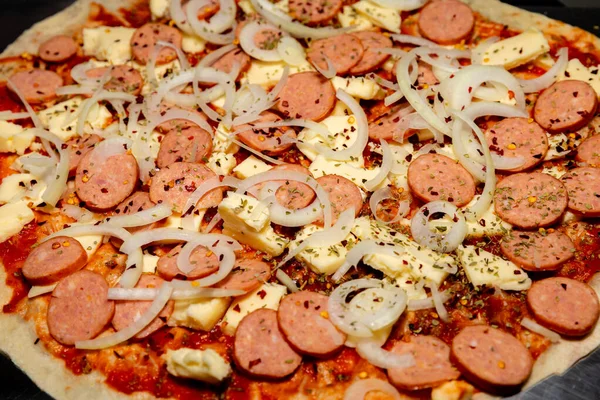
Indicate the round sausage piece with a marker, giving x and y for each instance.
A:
(517, 137)
(564, 305)
(78, 147)
(177, 124)
(372, 58)
(271, 141)
(494, 360)
(145, 37)
(260, 349)
(193, 144)
(566, 106)
(292, 194)
(534, 251)
(123, 78)
(247, 274)
(343, 51)
(432, 364)
(53, 260)
(530, 200)
(386, 126)
(37, 85)
(79, 308)
(425, 75)
(303, 319)
(314, 12)
(58, 49)
(446, 21)
(307, 95)
(128, 311)
(175, 183)
(103, 184)
(589, 151)
(583, 187)
(436, 177)
(226, 62)
(204, 260)
(343, 194)
(137, 202)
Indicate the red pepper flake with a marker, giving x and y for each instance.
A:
(262, 294)
(237, 308)
(254, 363)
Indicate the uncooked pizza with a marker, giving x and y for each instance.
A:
(299, 199)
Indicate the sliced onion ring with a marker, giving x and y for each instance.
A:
(385, 193)
(248, 44)
(533, 326)
(141, 218)
(547, 79)
(446, 242)
(381, 358)
(145, 294)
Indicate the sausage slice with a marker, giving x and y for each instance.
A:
(385, 126)
(123, 78)
(175, 183)
(79, 308)
(78, 147)
(372, 58)
(517, 137)
(260, 349)
(343, 194)
(530, 200)
(566, 106)
(583, 186)
(314, 12)
(247, 274)
(128, 311)
(58, 49)
(303, 319)
(492, 359)
(292, 194)
(145, 37)
(432, 364)
(225, 63)
(436, 177)
(137, 202)
(564, 305)
(204, 260)
(446, 21)
(37, 85)
(343, 51)
(537, 252)
(589, 151)
(53, 260)
(272, 141)
(193, 144)
(307, 95)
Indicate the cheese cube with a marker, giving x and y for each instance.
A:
(159, 8)
(267, 74)
(14, 217)
(360, 87)
(203, 365)
(359, 175)
(13, 139)
(192, 43)
(149, 263)
(348, 17)
(251, 166)
(61, 119)
(108, 43)
(576, 70)
(18, 185)
(221, 163)
(386, 18)
(244, 211)
(200, 314)
(517, 50)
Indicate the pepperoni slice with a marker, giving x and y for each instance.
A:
(538, 252)
(175, 183)
(589, 151)
(314, 12)
(517, 137)
(583, 186)
(432, 364)
(386, 126)
(566, 106)
(79, 308)
(123, 78)
(343, 51)
(303, 319)
(137, 202)
(530, 200)
(259, 348)
(436, 177)
(145, 37)
(128, 311)
(343, 194)
(446, 21)
(272, 141)
(53, 260)
(307, 95)
(58, 49)
(37, 85)
(78, 147)
(204, 260)
(564, 305)
(226, 62)
(189, 145)
(372, 58)
(494, 360)
(247, 274)
(103, 185)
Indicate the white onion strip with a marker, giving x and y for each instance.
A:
(200, 191)
(363, 248)
(547, 79)
(384, 170)
(36, 291)
(286, 281)
(533, 326)
(140, 218)
(145, 294)
(385, 193)
(450, 239)
(328, 73)
(373, 353)
(162, 297)
(247, 42)
(427, 303)
(439, 303)
(414, 40)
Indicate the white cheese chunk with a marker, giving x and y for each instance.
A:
(61, 119)
(342, 134)
(193, 43)
(243, 210)
(247, 7)
(22, 186)
(558, 146)
(576, 70)
(517, 50)
(200, 314)
(221, 163)
(251, 166)
(359, 87)
(348, 17)
(221, 143)
(268, 295)
(176, 221)
(204, 365)
(108, 43)
(485, 268)
(269, 73)
(149, 263)
(14, 217)
(267, 240)
(545, 61)
(90, 243)
(159, 8)
(12, 138)
(386, 18)
(359, 175)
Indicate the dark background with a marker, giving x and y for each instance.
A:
(582, 382)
